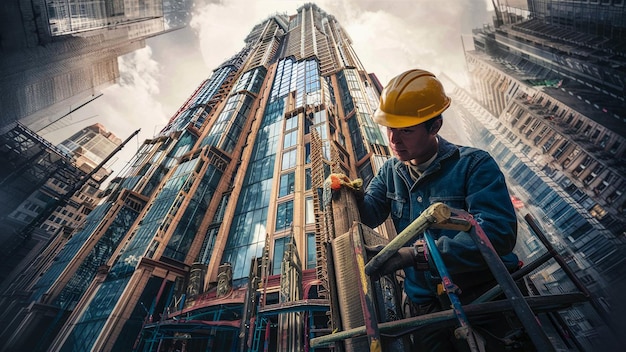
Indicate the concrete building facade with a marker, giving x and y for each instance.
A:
(548, 101)
(59, 55)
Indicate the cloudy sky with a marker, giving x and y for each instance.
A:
(388, 36)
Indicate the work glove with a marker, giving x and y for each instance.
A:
(334, 182)
(415, 255)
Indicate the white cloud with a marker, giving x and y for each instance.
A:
(388, 36)
(222, 27)
(395, 36)
(134, 95)
(139, 71)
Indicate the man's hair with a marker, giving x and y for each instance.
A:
(429, 124)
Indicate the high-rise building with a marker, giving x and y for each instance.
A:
(90, 146)
(56, 56)
(36, 176)
(87, 148)
(227, 181)
(47, 191)
(33, 182)
(548, 101)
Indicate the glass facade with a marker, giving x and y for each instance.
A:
(97, 257)
(230, 187)
(157, 219)
(68, 17)
(521, 142)
(605, 18)
(93, 220)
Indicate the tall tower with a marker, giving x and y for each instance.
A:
(58, 55)
(223, 201)
(549, 84)
(47, 192)
(37, 173)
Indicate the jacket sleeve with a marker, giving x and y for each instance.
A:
(489, 202)
(374, 207)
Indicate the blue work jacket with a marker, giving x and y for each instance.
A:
(460, 177)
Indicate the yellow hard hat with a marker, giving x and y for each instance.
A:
(411, 98)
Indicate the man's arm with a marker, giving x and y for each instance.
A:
(374, 206)
(488, 200)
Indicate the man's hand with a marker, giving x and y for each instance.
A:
(338, 180)
(334, 182)
(415, 256)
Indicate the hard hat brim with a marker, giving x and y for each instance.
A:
(401, 121)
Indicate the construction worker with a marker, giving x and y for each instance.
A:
(427, 169)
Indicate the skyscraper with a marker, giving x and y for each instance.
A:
(228, 180)
(58, 55)
(548, 101)
(36, 175)
(47, 191)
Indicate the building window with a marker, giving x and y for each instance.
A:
(532, 244)
(291, 138)
(560, 150)
(289, 159)
(287, 184)
(309, 215)
(311, 251)
(578, 124)
(291, 123)
(601, 187)
(307, 153)
(596, 133)
(613, 196)
(540, 135)
(615, 148)
(592, 176)
(284, 215)
(582, 166)
(597, 212)
(279, 252)
(546, 146)
(307, 178)
(604, 140)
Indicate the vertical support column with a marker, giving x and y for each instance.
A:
(344, 210)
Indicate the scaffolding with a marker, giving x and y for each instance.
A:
(528, 309)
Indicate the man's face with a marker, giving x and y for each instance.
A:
(413, 143)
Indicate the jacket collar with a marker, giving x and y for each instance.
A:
(445, 150)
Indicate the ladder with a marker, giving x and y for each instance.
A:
(261, 326)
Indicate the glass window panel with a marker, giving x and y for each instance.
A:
(307, 179)
(311, 252)
(287, 184)
(289, 159)
(307, 153)
(309, 212)
(291, 123)
(291, 138)
(284, 215)
(279, 251)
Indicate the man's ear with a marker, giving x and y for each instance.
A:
(435, 127)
